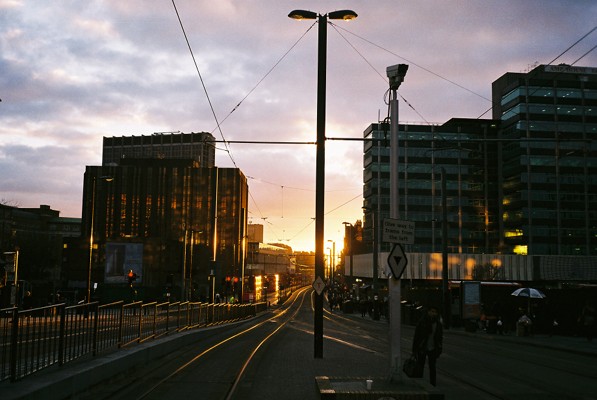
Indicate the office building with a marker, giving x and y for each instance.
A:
(520, 183)
(180, 227)
(548, 162)
(197, 146)
(462, 150)
(37, 234)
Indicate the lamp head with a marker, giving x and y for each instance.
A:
(302, 14)
(346, 15)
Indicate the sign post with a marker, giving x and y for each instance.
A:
(397, 261)
(395, 75)
(397, 231)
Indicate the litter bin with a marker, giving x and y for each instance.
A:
(470, 325)
(523, 326)
(520, 329)
(348, 307)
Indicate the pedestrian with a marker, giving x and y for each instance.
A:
(428, 342)
(588, 321)
(500, 326)
(27, 301)
(363, 307)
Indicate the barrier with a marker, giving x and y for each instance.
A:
(34, 339)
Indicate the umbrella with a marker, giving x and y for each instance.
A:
(528, 292)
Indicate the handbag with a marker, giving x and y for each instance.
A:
(410, 367)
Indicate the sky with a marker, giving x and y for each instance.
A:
(73, 72)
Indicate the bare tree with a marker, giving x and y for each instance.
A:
(487, 272)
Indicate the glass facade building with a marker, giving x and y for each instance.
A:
(461, 150)
(524, 182)
(174, 223)
(548, 153)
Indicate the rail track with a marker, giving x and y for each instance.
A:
(217, 362)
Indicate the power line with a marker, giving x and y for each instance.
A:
(414, 63)
(202, 82)
(266, 75)
(560, 55)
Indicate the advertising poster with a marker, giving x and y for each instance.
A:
(471, 300)
(122, 257)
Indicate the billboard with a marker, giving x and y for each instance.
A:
(471, 299)
(122, 257)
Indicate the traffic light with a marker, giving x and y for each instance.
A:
(132, 277)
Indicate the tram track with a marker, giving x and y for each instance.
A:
(269, 356)
(226, 352)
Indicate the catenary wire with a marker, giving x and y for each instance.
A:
(265, 76)
(202, 82)
(560, 55)
(415, 64)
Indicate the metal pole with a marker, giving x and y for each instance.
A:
(394, 284)
(375, 221)
(445, 292)
(190, 285)
(93, 183)
(320, 183)
(351, 244)
(183, 283)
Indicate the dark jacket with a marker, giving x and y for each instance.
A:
(422, 332)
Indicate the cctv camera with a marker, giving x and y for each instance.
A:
(396, 74)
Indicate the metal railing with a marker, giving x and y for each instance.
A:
(31, 340)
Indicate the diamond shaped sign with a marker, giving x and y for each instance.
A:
(397, 261)
(318, 285)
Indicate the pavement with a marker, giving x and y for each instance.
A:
(340, 374)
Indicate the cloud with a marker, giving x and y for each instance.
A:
(73, 72)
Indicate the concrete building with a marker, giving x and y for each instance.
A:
(180, 227)
(196, 146)
(38, 234)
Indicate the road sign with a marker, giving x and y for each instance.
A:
(397, 231)
(397, 261)
(318, 285)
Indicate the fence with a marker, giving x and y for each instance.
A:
(31, 340)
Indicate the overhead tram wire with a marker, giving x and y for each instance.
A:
(560, 55)
(336, 27)
(265, 76)
(584, 55)
(379, 74)
(414, 63)
(574, 44)
(202, 82)
(218, 124)
(208, 98)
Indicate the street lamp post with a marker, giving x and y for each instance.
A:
(93, 188)
(375, 249)
(332, 259)
(14, 291)
(320, 158)
(350, 243)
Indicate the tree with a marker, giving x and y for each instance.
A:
(487, 272)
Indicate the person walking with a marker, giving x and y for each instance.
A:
(588, 321)
(428, 342)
